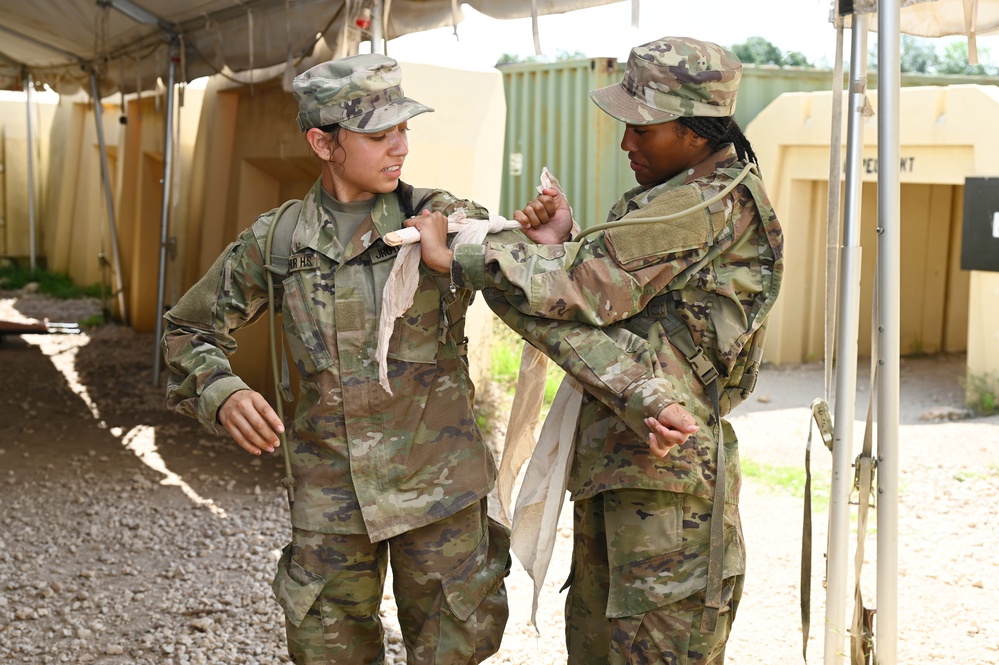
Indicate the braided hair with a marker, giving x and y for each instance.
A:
(719, 131)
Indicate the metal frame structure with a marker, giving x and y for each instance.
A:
(165, 210)
(887, 325)
(29, 86)
(117, 281)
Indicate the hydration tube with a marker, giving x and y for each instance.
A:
(675, 215)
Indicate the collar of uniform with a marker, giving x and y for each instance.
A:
(386, 214)
(318, 232)
(311, 223)
(720, 159)
(637, 197)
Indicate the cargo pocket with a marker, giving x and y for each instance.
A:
(416, 336)
(481, 573)
(609, 360)
(303, 333)
(295, 588)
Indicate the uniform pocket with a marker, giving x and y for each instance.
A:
(481, 573)
(295, 588)
(302, 331)
(610, 359)
(416, 334)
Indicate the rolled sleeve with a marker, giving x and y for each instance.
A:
(468, 268)
(212, 399)
(646, 399)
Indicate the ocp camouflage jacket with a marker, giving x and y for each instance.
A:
(364, 461)
(725, 263)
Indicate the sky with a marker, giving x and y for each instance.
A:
(606, 31)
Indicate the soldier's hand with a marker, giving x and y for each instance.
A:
(673, 426)
(547, 220)
(433, 240)
(251, 421)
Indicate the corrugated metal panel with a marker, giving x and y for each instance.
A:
(762, 85)
(552, 122)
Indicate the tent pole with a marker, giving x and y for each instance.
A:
(106, 173)
(889, 289)
(165, 216)
(377, 33)
(846, 345)
(29, 86)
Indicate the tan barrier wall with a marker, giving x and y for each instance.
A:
(15, 237)
(944, 138)
(74, 231)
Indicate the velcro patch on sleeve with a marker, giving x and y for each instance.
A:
(636, 243)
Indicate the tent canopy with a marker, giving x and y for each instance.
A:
(940, 18)
(127, 43)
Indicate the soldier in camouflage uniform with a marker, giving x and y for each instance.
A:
(379, 478)
(643, 477)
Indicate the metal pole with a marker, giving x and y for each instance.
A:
(377, 31)
(29, 87)
(106, 176)
(889, 288)
(165, 216)
(846, 344)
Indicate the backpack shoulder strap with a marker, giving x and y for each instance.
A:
(412, 199)
(277, 248)
(663, 309)
(277, 253)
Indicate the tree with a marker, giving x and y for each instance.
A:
(761, 51)
(918, 54)
(796, 59)
(758, 51)
(921, 55)
(560, 54)
(954, 60)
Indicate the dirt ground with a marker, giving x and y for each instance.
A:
(128, 535)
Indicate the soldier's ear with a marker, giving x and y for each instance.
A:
(692, 138)
(321, 143)
(317, 141)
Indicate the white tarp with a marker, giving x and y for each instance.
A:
(941, 18)
(60, 41)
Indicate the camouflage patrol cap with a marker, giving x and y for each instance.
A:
(362, 93)
(673, 77)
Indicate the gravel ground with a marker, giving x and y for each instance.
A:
(130, 536)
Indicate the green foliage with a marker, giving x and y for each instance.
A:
(505, 357)
(57, 285)
(94, 321)
(787, 480)
(917, 55)
(761, 51)
(560, 54)
(954, 60)
(922, 55)
(506, 350)
(982, 393)
(796, 59)
(553, 379)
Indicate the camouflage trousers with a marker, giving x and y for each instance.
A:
(448, 584)
(639, 572)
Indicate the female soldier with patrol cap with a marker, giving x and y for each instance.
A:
(379, 477)
(658, 554)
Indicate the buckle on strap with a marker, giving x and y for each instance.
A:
(705, 368)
